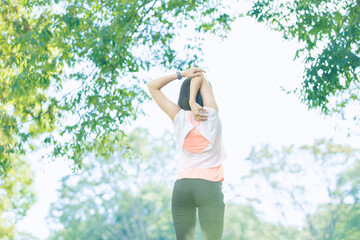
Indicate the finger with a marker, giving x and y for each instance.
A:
(203, 118)
(199, 69)
(197, 75)
(196, 69)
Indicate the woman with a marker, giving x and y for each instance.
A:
(197, 129)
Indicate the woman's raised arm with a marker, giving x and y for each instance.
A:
(154, 86)
(208, 94)
(196, 109)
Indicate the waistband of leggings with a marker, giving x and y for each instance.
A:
(196, 179)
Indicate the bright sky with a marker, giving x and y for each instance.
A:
(246, 72)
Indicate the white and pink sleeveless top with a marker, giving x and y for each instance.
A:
(201, 148)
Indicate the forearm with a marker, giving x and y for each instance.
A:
(160, 82)
(195, 85)
(208, 95)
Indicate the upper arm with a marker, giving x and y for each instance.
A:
(169, 107)
(208, 95)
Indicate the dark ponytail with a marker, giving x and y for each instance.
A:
(184, 96)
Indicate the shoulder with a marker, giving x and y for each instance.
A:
(179, 116)
(213, 121)
(212, 112)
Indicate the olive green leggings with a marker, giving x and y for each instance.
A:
(189, 194)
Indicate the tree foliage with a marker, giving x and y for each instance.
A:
(330, 35)
(101, 202)
(16, 196)
(242, 221)
(104, 202)
(318, 183)
(95, 48)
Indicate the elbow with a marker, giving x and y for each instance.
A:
(149, 85)
(152, 86)
(204, 80)
(198, 78)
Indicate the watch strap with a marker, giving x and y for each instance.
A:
(179, 75)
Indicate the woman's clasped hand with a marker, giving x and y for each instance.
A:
(192, 72)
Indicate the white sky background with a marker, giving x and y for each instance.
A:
(246, 71)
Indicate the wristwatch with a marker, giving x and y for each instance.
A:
(179, 75)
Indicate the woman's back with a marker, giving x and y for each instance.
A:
(200, 142)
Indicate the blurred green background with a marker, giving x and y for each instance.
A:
(72, 76)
